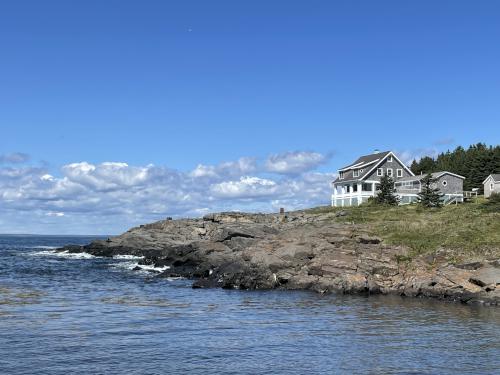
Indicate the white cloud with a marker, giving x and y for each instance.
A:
(246, 187)
(110, 197)
(55, 214)
(14, 158)
(240, 167)
(294, 162)
(47, 177)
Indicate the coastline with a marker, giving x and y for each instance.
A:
(298, 251)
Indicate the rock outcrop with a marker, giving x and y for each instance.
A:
(297, 251)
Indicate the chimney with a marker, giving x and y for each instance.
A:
(376, 151)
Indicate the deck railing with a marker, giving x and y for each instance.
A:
(470, 194)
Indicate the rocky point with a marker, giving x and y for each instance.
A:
(297, 251)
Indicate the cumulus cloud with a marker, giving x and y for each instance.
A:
(112, 196)
(245, 187)
(242, 166)
(14, 158)
(294, 162)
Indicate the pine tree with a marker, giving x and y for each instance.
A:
(429, 196)
(387, 193)
(475, 164)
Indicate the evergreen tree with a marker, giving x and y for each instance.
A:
(425, 165)
(387, 193)
(430, 195)
(475, 164)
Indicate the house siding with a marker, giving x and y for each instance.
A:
(394, 164)
(488, 191)
(454, 185)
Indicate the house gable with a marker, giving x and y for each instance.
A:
(363, 167)
(386, 165)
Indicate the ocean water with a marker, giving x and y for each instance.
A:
(77, 314)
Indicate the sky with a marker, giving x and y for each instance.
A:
(118, 113)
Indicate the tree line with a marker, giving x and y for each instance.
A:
(475, 164)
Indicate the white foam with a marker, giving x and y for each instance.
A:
(127, 257)
(42, 247)
(144, 268)
(63, 254)
(153, 268)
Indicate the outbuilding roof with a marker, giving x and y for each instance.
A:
(494, 176)
(434, 175)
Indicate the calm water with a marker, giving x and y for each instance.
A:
(84, 315)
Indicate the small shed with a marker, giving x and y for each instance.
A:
(491, 185)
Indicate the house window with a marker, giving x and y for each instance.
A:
(389, 159)
(389, 172)
(380, 172)
(355, 173)
(399, 172)
(444, 183)
(341, 175)
(367, 187)
(360, 171)
(491, 186)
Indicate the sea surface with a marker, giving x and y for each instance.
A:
(78, 314)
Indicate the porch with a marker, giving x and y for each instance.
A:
(353, 193)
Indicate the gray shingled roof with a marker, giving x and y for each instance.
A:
(496, 177)
(363, 160)
(366, 159)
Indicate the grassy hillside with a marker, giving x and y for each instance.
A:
(466, 231)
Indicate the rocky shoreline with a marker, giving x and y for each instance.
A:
(299, 250)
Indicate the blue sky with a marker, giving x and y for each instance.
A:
(308, 84)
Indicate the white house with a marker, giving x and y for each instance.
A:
(491, 185)
(357, 182)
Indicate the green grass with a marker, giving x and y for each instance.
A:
(465, 231)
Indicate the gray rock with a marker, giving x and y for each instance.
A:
(255, 251)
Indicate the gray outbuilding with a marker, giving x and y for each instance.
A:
(491, 185)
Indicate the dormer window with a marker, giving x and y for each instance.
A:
(355, 173)
(341, 175)
(389, 158)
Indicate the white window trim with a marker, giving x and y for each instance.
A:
(391, 174)
(399, 172)
(390, 159)
(341, 175)
(355, 173)
(380, 172)
(444, 182)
